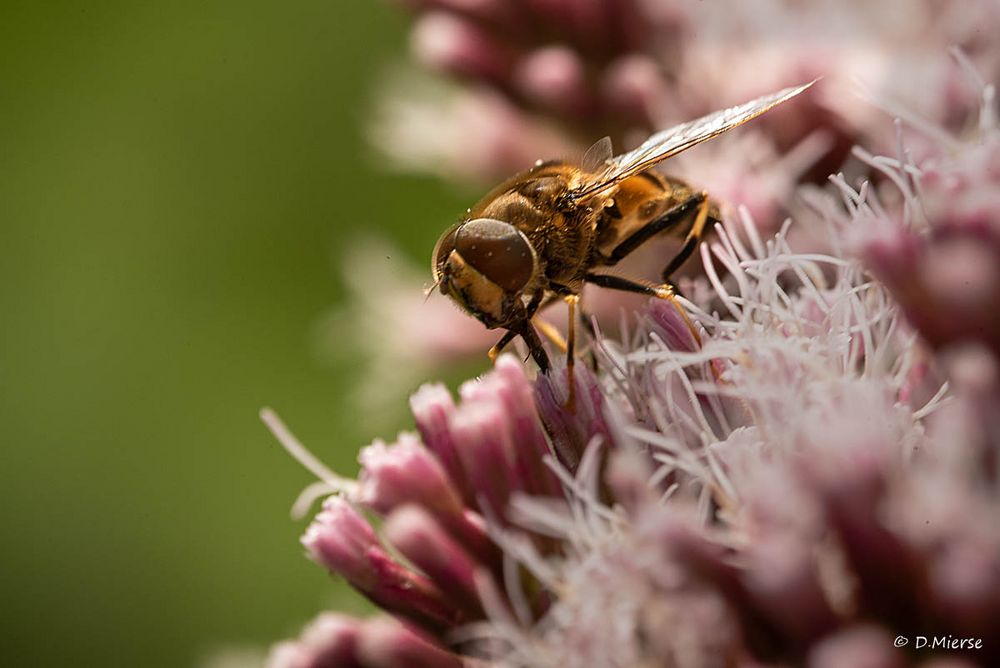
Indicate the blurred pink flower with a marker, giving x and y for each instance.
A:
(931, 231)
(400, 333)
(342, 642)
(476, 135)
(623, 68)
(578, 61)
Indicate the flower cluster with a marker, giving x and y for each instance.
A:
(441, 497)
(797, 478)
(794, 466)
(780, 492)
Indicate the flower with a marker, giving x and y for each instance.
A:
(794, 466)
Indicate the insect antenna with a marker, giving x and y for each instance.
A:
(429, 291)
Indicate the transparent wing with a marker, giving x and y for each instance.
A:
(679, 138)
(597, 156)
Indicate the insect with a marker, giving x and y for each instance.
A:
(542, 234)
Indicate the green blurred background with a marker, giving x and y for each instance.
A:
(176, 179)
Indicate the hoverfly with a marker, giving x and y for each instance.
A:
(539, 236)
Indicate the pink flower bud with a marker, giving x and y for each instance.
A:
(329, 640)
(385, 643)
(672, 326)
(553, 79)
(482, 435)
(339, 538)
(458, 47)
(405, 472)
(855, 647)
(342, 541)
(416, 534)
(633, 88)
(432, 408)
(571, 429)
(509, 386)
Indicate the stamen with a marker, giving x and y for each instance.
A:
(299, 452)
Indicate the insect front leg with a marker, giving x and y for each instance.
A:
(524, 329)
(527, 332)
(535, 348)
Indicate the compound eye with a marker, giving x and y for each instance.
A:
(498, 251)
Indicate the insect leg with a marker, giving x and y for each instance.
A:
(670, 218)
(571, 302)
(618, 283)
(664, 291)
(549, 331)
(495, 351)
(691, 241)
(545, 327)
(527, 332)
(518, 328)
(587, 320)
